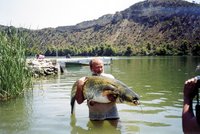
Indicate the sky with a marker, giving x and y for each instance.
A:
(38, 14)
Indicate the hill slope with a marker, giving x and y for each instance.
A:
(157, 27)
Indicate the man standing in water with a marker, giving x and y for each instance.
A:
(97, 111)
(189, 120)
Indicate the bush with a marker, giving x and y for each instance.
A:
(15, 77)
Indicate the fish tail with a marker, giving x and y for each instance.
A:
(73, 98)
(72, 105)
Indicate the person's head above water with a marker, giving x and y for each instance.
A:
(96, 66)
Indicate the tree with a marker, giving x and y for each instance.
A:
(128, 51)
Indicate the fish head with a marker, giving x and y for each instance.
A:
(127, 94)
(130, 97)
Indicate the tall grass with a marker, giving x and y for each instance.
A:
(15, 77)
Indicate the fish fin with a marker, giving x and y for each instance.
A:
(111, 94)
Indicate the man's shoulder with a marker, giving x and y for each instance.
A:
(107, 75)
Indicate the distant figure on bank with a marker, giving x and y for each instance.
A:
(39, 56)
(189, 120)
(68, 56)
(97, 111)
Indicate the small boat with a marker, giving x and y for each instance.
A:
(84, 61)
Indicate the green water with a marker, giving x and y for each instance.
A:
(158, 80)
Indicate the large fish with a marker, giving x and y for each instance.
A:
(104, 90)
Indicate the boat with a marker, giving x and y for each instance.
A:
(84, 61)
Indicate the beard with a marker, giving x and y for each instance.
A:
(98, 73)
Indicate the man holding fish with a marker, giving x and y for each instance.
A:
(102, 92)
(97, 111)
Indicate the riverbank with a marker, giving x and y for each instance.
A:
(44, 67)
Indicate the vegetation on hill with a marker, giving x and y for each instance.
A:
(150, 27)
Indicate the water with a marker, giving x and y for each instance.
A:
(158, 80)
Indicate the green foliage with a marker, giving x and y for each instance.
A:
(14, 75)
(128, 51)
(196, 49)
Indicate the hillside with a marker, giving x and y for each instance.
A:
(150, 27)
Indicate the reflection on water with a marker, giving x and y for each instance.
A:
(14, 116)
(97, 127)
(158, 80)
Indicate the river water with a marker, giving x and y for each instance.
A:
(158, 80)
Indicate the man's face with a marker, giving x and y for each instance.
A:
(97, 67)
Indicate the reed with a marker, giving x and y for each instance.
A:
(15, 77)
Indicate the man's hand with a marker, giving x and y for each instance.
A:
(190, 88)
(189, 121)
(79, 92)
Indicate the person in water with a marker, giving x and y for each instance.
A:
(189, 120)
(97, 111)
(40, 56)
